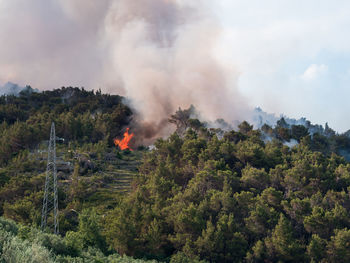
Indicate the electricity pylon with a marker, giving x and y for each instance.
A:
(50, 202)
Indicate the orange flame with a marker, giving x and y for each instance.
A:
(124, 143)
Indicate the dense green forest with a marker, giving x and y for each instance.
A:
(201, 195)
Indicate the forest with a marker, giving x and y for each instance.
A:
(201, 195)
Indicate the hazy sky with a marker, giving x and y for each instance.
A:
(292, 56)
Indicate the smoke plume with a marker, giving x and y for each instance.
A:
(157, 53)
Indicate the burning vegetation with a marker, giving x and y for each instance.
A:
(123, 144)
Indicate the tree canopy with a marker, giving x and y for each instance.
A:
(275, 194)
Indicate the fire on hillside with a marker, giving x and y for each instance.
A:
(123, 144)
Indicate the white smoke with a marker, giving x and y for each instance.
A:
(10, 89)
(159, 53)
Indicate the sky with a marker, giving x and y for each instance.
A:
(293, 56)
(288, 57)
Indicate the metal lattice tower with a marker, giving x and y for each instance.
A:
(50, 202)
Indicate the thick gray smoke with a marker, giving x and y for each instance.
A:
(158, 53)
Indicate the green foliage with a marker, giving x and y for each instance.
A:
(180, 257)
(316, 249)
(201, 195)
(254, 178)
(298, 132)
(281, 245)
(34, 246)
(90, 230)
(230, 200)
(80, 115)
(338, 249)
(245, 127)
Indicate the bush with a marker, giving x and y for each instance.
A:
(15, 250)
(8, 226)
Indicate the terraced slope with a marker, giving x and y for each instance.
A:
(101, 176)
(114, 178)
(120, 173)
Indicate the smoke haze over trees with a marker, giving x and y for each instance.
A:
(158, 53)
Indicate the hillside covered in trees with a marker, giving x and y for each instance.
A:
(274, 194)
